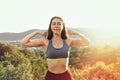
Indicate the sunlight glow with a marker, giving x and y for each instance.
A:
(106, 36)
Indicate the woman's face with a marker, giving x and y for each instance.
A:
(56, 26)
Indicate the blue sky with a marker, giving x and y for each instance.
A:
(22, 15)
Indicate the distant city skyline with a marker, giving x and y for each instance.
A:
(23, 15)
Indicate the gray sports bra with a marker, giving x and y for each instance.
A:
(57, 52)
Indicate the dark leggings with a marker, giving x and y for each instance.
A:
(62, 76)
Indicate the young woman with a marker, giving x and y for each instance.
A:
(56, 47)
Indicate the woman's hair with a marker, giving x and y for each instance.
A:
(63, 33)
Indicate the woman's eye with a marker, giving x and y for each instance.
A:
(58, 23)
(53, 23)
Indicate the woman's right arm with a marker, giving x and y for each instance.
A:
(28, 41)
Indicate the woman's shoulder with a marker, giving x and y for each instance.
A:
(68, 41)
(45, 40)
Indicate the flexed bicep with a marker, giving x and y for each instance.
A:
(34, 43)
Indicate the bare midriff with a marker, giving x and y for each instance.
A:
(57, 66)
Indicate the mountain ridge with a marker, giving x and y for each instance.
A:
(96, 36)
(12, 36)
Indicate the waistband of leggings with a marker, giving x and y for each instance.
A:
(58, 73)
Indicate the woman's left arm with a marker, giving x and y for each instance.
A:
(81, 41)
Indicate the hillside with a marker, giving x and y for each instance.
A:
(97, 36)
(9, 36)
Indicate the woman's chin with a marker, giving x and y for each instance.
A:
(57, 33)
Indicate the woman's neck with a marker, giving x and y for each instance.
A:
(56, 37)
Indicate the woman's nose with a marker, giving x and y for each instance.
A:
(56, 25)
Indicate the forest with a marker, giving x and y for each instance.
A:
(86, 63)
